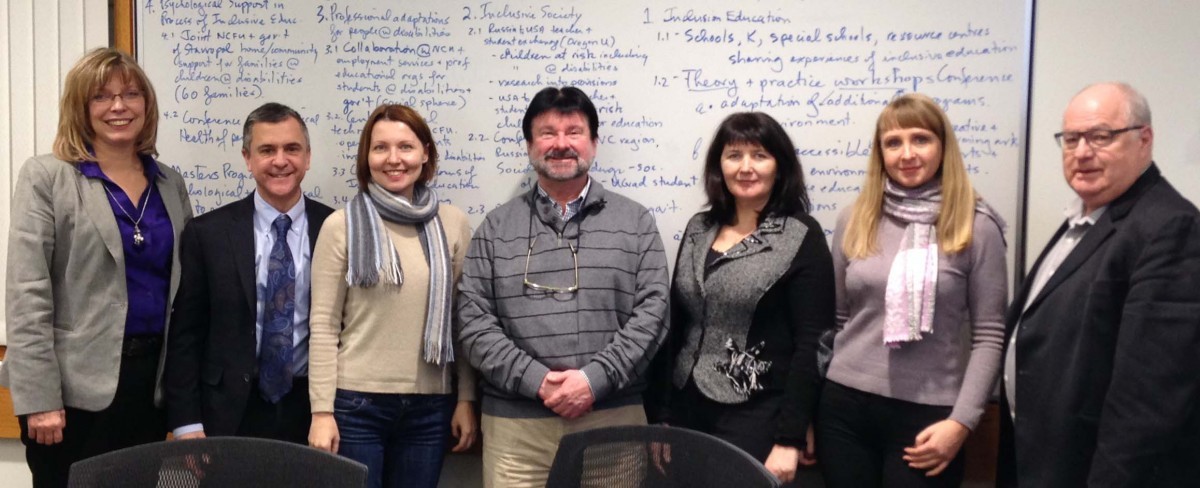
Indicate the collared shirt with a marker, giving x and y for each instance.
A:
(148, 265)
(1078, 226)
(297, 237)
(264, 240)
(572, 207)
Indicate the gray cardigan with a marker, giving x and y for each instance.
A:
(610, 328)
(959, 362)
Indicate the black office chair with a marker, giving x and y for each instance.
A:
(218, 462)
(624, 457)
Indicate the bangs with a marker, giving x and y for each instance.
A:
(909, 113)
(743, 132)
(114, 70)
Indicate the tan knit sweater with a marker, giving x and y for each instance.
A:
(370, 339)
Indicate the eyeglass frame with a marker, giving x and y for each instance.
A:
(102, 98)
(546, 288)
(1083, 135)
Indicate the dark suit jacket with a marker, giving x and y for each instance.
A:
(1108, 354)
(211, 359)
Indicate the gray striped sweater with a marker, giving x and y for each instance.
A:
(610, 328)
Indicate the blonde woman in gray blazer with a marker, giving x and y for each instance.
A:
(92, 269)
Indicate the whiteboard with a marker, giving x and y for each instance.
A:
(662, 75)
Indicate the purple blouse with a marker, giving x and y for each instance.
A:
(147, 264)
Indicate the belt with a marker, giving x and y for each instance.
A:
(134, 346)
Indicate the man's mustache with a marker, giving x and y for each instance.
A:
(562, 154)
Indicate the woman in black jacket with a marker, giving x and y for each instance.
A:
(752, 292)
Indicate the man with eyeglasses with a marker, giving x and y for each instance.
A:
(562, 301)
(1102, 371)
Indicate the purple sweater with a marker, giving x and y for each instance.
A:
(958, 363)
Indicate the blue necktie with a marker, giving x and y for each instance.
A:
(279, 304)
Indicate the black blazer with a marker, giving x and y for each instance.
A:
(1108, 354)
(211, 358)
(786, 291)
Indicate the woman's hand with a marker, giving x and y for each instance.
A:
(463, 426)
(47, 427)
(782, 462)
(323, 434)
(808, 457)
(936, 446)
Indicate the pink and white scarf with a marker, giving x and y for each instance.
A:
(912, 281)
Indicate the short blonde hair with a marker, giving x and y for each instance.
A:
(957, 217)
(86, 78)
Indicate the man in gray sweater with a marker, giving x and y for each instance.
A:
(563, 300)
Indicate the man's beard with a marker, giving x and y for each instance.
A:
(543, 168)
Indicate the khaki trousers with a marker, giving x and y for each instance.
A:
(517, 453)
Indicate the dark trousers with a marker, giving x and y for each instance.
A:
(861, 439)
(130, 420)
(748, 425)
(287, 420)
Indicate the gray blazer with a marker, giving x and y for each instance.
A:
(66, 296)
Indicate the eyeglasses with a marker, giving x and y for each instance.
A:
(128, 97)
(547, 288)
(1096, 138)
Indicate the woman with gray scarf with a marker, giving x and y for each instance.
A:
(382, 368)
(919, 266)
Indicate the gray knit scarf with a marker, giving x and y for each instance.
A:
(367, 241)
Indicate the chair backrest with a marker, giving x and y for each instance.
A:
(218, 461)
(653, 456)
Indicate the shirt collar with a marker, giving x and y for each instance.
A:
(264, 213)
(1075, 216)
(572, 205)
(91, 169)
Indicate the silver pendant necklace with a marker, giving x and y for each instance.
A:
(138, 238)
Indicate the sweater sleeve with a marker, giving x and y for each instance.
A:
(810, 293)
(840, 262)
(464, 373)
(987, 296)
(329, 265)
(628, 355)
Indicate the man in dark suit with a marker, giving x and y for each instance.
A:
(237, 362)
(1102, 372)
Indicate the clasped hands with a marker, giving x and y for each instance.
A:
(567, 393)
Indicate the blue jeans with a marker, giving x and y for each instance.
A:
(401, 438)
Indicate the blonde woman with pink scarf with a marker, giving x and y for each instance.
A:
(919, 267)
